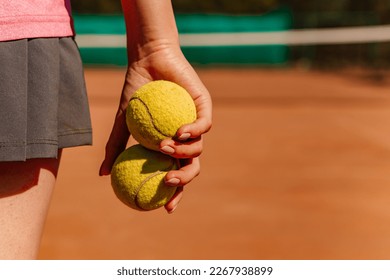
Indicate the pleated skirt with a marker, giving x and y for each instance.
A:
(43, 100)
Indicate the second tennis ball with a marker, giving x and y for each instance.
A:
(137, 178)
(157, 110)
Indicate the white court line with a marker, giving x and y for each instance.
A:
(347, 35)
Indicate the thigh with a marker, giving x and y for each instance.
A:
(25, 193)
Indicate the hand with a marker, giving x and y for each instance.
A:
(162, 61)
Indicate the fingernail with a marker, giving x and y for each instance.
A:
(167, 150)
(173, 181)
(173, 210)
(184, 136)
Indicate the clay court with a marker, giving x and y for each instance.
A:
(296, 166)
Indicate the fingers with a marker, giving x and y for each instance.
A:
(187, 146)
(178, 178)
(188, 149)
(188, 140)
(203, 103)
(190, 168)
(194, 130)
(174, 202)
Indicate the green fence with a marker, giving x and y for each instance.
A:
(96, 34)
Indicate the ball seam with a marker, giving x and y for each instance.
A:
(150, 115)
(140, 187)
(144, 182)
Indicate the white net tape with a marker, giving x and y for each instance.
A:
(345, 35)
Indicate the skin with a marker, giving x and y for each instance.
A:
(154, 53)
(25, 194)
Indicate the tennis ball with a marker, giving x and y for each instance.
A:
(137, 178)
(157, 110)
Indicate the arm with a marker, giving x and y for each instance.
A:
(154, 53)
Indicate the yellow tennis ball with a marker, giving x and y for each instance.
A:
(157, 110)
(137, 178)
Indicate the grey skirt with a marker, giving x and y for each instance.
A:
(43, 101)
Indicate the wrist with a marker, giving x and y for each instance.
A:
(150, 26)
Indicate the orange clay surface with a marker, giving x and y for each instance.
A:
(296, 166)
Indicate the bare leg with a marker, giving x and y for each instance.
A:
(25, 193)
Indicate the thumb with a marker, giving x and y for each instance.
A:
(116, 143)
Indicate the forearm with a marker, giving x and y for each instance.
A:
(150, 24)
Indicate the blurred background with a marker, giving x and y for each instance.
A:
(260, 16)
(297, 164)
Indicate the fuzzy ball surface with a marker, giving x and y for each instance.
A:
(157, 110)
(137, 178)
